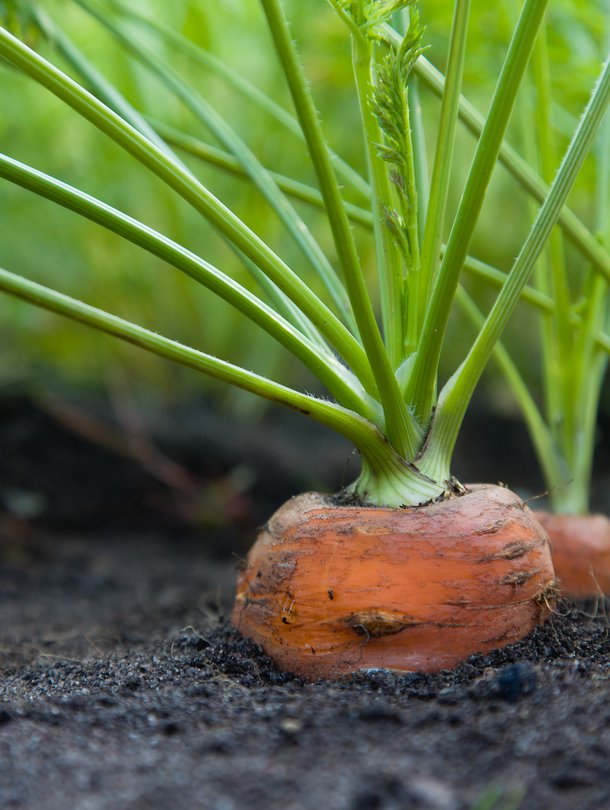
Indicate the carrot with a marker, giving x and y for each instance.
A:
(580, 547)
(330, 589)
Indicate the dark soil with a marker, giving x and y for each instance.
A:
(122, 684)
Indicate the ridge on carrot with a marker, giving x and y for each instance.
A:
(453, 553)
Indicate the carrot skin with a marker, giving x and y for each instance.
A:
(580, 546)
(332, 589)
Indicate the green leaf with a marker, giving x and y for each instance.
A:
(390, 105)
(365, 17)
(377, 12)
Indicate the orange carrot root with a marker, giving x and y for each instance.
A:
(330, 590)
(580, 545)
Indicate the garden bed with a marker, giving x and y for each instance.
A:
(123, 686)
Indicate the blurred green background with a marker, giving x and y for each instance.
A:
(39, 351)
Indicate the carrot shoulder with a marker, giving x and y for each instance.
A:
(330, 589)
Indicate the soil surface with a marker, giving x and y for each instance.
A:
(122, 684)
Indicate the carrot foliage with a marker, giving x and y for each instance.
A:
(375, 343)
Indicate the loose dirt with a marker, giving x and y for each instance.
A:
(122, 684)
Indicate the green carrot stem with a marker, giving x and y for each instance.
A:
(108, 93)
(227, 136)
(578, 234)
(551, 462)
(401, 428)
(391, 481)
(389, 262)
(324, 365)
(445, 142)
(422, 387)
(560, 385)
(239, 83)
(458, 391)
(177, 178)
(225, 160)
